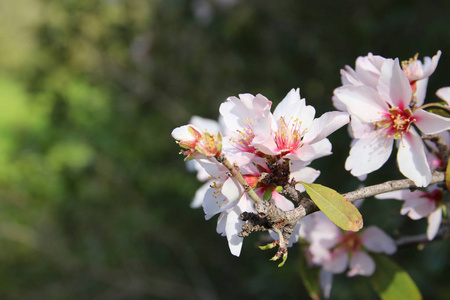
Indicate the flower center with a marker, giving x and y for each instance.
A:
(410, 68)
(245, 137)
(395, 122)
(351, 241)
(288, 136)
(435, 196)
(208, 144)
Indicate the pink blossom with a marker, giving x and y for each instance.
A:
(247, 119)
(418, 73)
(383, 115)
(291, 132)
(419, 204)
(336, 250)
(297, 134)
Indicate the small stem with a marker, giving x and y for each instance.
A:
(234, 170)
(443, 233)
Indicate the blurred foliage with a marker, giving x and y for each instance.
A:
(94, 196)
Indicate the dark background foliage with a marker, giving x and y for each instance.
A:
(94, 195)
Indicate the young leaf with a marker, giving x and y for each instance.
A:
(390, 281)
(338, 209)
(438, 109)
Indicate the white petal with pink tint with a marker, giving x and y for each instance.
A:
(232, 228)
(376, 240)
(325, 125)
(305, 174)
(214, 202)
(431, 123)
(398, 195)
(368, 154)
(434, 222)
(200, 194)
(293, 107)
(338, 262)
(417, 208)
(361, 264)
(362, 101)
(209, 125)
(444, 94)
(421, 90)
(412, 160)
(282, 202)
(232, 190)
(184, 134)
(394, 86)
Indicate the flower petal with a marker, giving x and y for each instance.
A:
(282, 202)
(421, 90)
(361, 264)
(214, 203)
(430, 64)
(309, 152)
(232, 190)
(362, 101)
(306, 174)
(200, 195)
(184, 133)
(397, 195)
(293, 107)
(338, 262)
(444, 94)
(412, 160)
(221, 223)
(232, 228)
(430, 123)
(417, 208)
(376, 240)
(326, 282)
(434, 221)
(325, 125)
(207, 125)
(393, 85)
(368, 154)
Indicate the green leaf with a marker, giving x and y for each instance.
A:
(309, 276)
(390, 281)
(438, 109)
(338, 209)
(447, 175)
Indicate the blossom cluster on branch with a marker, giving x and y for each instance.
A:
(255, 163)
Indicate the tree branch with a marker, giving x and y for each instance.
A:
(389, 186)
(270, 217)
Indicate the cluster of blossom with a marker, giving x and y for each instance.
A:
(385, 102)
(334, 249)
(252, 134)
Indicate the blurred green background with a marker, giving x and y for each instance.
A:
(94, 197)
